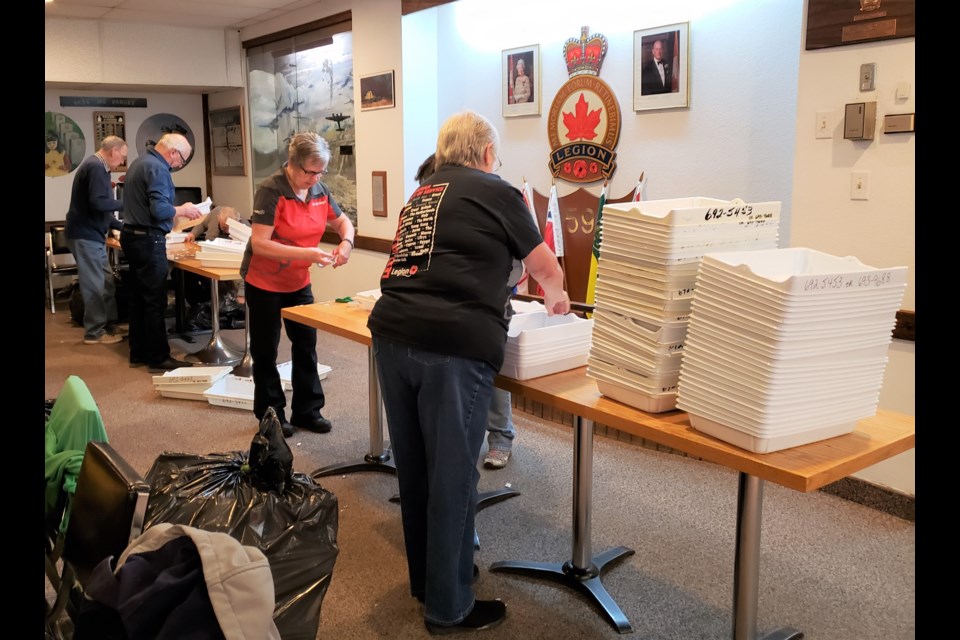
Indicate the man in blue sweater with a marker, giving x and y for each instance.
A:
(89, 218)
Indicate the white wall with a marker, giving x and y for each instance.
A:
(879, 231)
(90, 51)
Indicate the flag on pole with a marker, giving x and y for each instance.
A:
(527, 192)
(554, 226)
(595, 256)
(638, 191)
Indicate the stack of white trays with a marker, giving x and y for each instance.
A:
(188, 383)
(221, 252)
(238, 231)
(538, 344)
(646, 277)
(787, 346)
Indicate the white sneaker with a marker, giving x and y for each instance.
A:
(105, 338)
(496, 459)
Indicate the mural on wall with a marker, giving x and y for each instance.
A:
(155, 126)
(64, 146)
(584, 121)
(297, 85)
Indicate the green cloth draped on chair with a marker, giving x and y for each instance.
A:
(74, 421)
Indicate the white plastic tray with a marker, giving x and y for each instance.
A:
(231, 391)
(191, 376)
(695, 210)
(657, 403)
(768, 444)
(286, 369)
(524, 371)
(806, 271)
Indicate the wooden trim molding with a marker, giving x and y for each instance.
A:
(906, 327)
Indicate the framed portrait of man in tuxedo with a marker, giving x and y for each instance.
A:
(661, 61)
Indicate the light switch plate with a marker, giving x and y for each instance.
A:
(860, 185)
(868, 76)
(824, 126)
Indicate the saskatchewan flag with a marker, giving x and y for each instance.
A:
(595, 256)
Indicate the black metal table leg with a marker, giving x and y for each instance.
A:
(583, 572)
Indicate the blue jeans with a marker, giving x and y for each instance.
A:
(146, 253)
(500, 429)
(97, 286)
(264, 330)
(436, 407)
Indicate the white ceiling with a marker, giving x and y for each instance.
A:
(212, 14)
(208, 14)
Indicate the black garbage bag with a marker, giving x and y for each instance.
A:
(256, 498)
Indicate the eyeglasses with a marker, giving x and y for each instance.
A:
(183, 161)
(497, 164)
(313, 174)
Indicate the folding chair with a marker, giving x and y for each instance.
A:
(107, 513)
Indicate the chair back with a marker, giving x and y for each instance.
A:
(107, 511)
(59, 252)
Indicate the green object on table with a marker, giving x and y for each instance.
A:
(344, 299)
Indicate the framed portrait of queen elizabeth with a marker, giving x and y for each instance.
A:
(521, 81)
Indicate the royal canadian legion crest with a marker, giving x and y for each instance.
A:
(584, 120)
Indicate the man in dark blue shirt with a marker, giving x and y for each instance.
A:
(89, 218)
(148, 216)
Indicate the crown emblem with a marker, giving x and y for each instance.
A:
(585, 55)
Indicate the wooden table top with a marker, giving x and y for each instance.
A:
(804, 468)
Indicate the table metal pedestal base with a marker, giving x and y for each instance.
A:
(586, 581)
(583, 570)
(217, 352)
(370, 462)
(783, 633)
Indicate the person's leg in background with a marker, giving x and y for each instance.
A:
(500, 430)
(92, 270)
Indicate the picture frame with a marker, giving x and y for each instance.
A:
(377, 91)
(837, 23)
(227, 142)
(529, 56)
(379, 190)
(649, 91)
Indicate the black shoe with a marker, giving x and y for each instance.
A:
(287, 429)
(168, 365)
(486, 614)
(317, 425)
(136, 363)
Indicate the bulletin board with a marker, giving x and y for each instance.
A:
(109, 123)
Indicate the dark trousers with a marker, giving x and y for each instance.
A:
(264, 331)
(146, 253)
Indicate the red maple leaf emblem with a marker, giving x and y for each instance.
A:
(582, 125)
